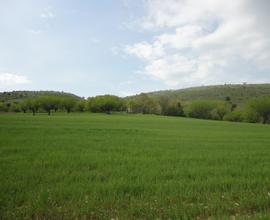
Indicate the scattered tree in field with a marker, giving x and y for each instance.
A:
(261, 106)
(144, 104)
(68, 103)
(47, 103)
(222, 109)
(163, 102)
(23, 105)
(55, 102)
(80, 106)
(33, 105)
(105, 103)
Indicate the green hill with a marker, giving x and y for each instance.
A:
(16, 96)
(238, 93)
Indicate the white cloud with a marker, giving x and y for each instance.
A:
(10, 79)
(145, 50)
(34, 32)
(206, 41)
(47, 13)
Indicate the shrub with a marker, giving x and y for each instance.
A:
(174, 109)
(3, 107)
(201, 109)
(220, 110)
(251, 116)
(15, 107)
(235, 116)
(261, 106)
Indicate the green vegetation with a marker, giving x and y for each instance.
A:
(17, 96)
(255, 109)
(261, 106)
(105, 103)
(127, 166)
(237, 93)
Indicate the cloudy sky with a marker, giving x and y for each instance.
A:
(125, 47)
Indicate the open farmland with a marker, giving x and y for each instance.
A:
(120, 166)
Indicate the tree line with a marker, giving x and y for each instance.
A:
(256, 110)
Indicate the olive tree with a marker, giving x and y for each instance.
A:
(33, 105)
(105, 103)
(47, 103)
(68, 103)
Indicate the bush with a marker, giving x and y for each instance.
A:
(15, 107)
(251, 116)
(220, 111)
(261, 106)
(174, 109)
(235, 116)
(201, 109)
(3, 107)
(33, 105)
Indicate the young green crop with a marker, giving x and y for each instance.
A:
(97, 166)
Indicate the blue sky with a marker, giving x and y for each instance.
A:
(125, 47)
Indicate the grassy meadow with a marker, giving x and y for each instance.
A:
(120, 166)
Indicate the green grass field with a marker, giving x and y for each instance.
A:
(95, 166)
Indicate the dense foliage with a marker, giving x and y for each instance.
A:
(105, 103)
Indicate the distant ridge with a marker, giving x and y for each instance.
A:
(13, 96)
(238, 93)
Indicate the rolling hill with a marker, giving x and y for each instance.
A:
(239, 93)
(16, 96)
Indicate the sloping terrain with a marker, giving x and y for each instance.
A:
(237, 93)
(20, 95)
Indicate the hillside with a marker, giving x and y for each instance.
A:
(238, 93)
(20, 95)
